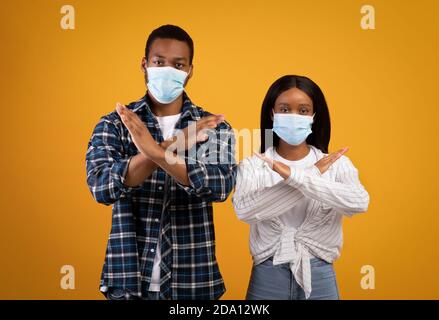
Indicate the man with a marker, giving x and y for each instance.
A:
(162, 241)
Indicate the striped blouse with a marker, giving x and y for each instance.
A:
(260, 200)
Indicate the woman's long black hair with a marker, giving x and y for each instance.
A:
(321, 127)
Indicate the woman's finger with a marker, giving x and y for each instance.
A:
(264, 158)
(338, 154)
(344, 150)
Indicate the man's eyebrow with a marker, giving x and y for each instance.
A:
(175, 58)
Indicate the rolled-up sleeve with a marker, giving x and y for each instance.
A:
(106, 163)
(211, 166)
(346, 194)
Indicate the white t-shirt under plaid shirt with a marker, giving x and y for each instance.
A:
(167, 124)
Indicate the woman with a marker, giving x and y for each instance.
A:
(294, 196)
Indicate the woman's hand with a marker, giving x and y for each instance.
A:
(281, 168)
(324, 163)
(285, 171)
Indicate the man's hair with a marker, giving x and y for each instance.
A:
(170, 32)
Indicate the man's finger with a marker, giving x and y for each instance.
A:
(220, 118)
(206, 119)
(126, 122)
(216, 118)
(123, 112)
(211, 124)
(126, 119)
(122, 109)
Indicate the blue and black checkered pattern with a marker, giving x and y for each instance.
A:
(160, 210)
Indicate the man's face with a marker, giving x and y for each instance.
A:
(168, 53)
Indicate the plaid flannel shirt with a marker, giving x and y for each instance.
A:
(161, 209)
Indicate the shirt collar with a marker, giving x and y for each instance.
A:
(269, 152)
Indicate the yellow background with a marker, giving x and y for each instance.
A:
(380, 85)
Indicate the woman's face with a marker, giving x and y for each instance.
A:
(294, 100)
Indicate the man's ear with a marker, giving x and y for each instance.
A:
(191, 71)
(143, 65)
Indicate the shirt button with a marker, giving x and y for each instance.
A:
(156, 220)
(160, 188)
(152, 250)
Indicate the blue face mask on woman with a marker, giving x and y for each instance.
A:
(292, 128)
(166, 83)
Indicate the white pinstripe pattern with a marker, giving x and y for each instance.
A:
(259, 200)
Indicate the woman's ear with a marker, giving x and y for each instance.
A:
(272, 115)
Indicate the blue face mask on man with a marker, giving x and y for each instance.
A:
(292, 128)
(166, 83)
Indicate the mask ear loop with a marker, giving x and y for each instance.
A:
(272, 114)
(312, 117)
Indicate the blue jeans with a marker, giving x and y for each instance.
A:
(120, 294)
(276, 282)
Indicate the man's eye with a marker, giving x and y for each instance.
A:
(179, 65)
(158, 62)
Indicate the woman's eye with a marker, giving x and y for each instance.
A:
(157, 62)
(179, 65)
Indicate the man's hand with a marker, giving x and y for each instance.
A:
(285, 171)
(140, 134)
(193, 133)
